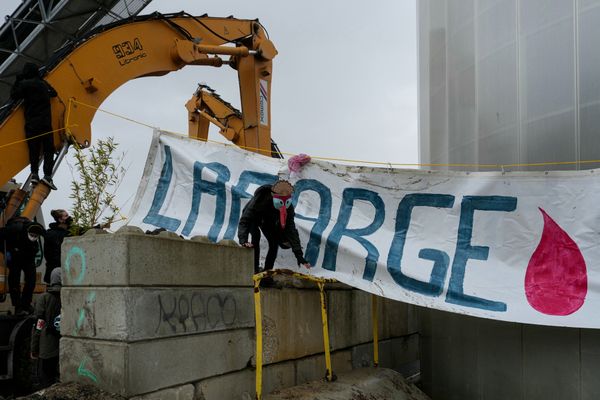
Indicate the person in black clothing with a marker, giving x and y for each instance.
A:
(271, 212)
(45, 336)
(36, 93)
(20, 238)
(57, 231)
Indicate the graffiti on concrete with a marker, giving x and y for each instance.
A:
(75, 271)
(91, 364)
(195, 312)
(86, 321)
(83, 371)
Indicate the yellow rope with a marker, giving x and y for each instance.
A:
(358, 161)
(33, 137)
(114, 114)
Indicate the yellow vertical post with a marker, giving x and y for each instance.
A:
(329, 372)
(374, 316)
(259, 344)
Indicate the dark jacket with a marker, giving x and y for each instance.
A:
(45, 337)
(259, 212)
(35, 93)
(52, 242)
(22, 251)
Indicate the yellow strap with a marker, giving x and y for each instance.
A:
(329, 372)
(259, 342)
(374, 316)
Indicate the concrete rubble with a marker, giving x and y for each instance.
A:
(359, 384)
(72, 391)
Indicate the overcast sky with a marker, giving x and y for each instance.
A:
(344, 84)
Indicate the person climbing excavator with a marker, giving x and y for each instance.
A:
(36, 93)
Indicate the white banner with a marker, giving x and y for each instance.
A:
(519, 246)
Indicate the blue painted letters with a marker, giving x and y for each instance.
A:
(340, 229)
(440, 259)
(464, 250)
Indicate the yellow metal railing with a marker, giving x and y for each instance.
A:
(324, 321)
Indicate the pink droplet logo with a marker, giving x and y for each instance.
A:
(556, 277)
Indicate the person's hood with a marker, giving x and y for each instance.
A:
(56, 277)
(36, 228)
(30, 70)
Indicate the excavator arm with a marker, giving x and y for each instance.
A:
(86, 72)
(206, 107)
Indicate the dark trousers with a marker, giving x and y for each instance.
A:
(49, 371)
(38, 144)
(49, 269)
(274, 237)
(18, 299)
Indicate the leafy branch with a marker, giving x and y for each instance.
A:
(93, 191)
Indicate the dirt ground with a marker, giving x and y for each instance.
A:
(71, 391)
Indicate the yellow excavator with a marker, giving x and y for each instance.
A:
(85, 72)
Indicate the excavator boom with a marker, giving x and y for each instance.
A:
(86, 72)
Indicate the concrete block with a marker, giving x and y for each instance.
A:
(396, 353)
(242, 384)
(99, 363)
(291, 324)
(292, 321)
(143, 367)
(314, 368)
(185, 392)
(133, 259)
(136, 313)
(351, 322)
(235, 385)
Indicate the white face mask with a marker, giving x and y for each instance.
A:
(31, 237)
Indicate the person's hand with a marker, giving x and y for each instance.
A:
(306, 265)
(33, 356)
(248, 245)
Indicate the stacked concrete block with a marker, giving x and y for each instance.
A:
(293, 329)
(241, 384)
(143, 313)
(159, 317)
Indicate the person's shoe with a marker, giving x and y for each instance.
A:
(48, 181)
(267, 282)
(35, 178)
